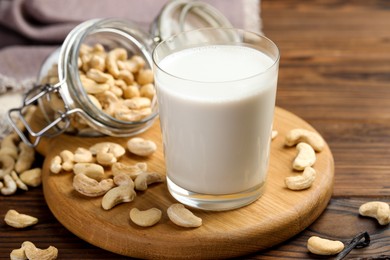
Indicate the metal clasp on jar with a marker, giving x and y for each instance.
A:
(54, 128)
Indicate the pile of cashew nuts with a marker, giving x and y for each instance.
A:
(98, 172)
(307, 144)
(118, 85)
(16, 160)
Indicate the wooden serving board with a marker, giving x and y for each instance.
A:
(278, 215)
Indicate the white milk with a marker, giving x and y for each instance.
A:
(216, 117)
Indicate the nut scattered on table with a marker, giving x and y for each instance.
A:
(18, 220)
(322, 246)
(32, 177)
(34, 253)
(376, 209)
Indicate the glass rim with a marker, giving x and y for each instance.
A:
(241, 31)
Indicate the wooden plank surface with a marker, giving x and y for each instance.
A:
(335, 74)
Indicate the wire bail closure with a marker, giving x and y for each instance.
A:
(31, 98)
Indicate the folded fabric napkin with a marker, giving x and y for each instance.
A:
(31, 29)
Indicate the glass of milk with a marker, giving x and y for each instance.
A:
(216, 91)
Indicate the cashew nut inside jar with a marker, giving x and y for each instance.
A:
(100, 81)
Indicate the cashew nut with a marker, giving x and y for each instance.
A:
(8, 145)
(7, 163)
(105, 158)
(55, 164)
(376, 209)
(123, 179)
(9, 186)
(306, 157)
(34, 253)
(85, 49)
(120, 83)
(298, 135)
(26, 157)
(117, 195)
(145, 76)
(92, 87)
(131, 91)
(90, 187)
(139, 61)
(98, 76)
(145, 218)
(301, 182)
(18, 254)
(148, 91)
(142, 181)
(67, 160)
(116, 149)
(110, 102)
(112, 57)
(133, 65)
(32, 177)
(322, 246)
(91, 170)
(82, 155)
(21, 185)
(107, 153)
(182, 216)
(141, 147)
(116, 90)
(95, 101)
(97, 62)
(126, 76)
(98, 48)
(132, 115)
(137, 102)
(132, 170)
(18, 220)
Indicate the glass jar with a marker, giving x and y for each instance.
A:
(66, 104)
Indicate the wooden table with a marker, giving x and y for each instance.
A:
(335, 74)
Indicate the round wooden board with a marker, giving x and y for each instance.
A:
(278, 215)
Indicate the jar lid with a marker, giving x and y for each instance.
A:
(183, 15)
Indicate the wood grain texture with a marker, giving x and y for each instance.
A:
(279, 214)
(334, 73)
